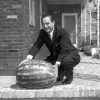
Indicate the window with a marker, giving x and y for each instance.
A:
(32, 12)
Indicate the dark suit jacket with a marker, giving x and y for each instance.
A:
(58, 47)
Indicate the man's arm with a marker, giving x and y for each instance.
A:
(34, 49)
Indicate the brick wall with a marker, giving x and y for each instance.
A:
(14, 32)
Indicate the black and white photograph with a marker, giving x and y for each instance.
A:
(49, 49)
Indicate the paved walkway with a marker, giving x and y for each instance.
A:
(86, 83)
(88, 68)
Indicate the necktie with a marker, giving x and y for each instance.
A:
(49, 36)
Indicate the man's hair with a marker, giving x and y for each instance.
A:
(47, 15)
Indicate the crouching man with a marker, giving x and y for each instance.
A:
(63, 54)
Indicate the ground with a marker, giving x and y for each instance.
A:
(86, 83)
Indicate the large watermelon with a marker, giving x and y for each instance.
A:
(35, 74)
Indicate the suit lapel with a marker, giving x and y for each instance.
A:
(51, 44)
(54, 39)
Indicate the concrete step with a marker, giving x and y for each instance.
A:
(67, 91)
(72, 98)
(79, 89)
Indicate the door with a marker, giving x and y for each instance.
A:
(69, 22)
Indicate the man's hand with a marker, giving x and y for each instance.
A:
(56, 69)
(56, 65)
(29, 57)
(25, 60)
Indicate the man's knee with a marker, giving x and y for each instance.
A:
(75, 58)
(67, 60)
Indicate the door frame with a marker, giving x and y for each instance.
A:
(76, 24)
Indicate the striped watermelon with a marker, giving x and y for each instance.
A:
(35, 74)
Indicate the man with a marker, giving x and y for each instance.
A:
(62, 53)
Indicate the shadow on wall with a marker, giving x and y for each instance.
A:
(43, 53)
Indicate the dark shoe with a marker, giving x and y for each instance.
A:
(68, 80)
(60, 77)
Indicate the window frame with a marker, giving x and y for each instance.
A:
(32, 12)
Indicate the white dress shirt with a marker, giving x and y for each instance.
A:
(51, 35)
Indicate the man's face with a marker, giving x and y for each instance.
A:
(47, 24)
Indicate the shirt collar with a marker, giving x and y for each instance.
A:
(51, 33)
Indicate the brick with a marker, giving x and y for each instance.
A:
(7, 41)
(13, 37)
(14, 26)
(6, 20)
(10, 56)
(19, 40)
(5, 27)
(17, 6)
(12, 51)
(3, 51)
(20, 23)
(17, 45)
(6, 33)
(2, 16)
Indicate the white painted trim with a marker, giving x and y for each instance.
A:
(40, 13)
(32, 12)
(71, 14)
